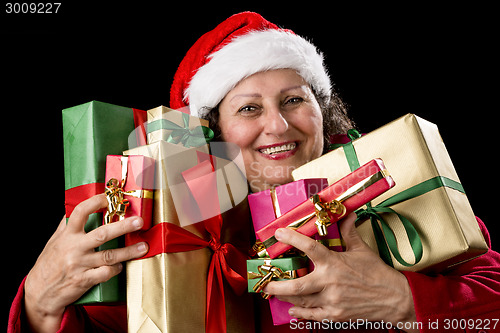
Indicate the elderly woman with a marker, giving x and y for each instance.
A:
(266, 90)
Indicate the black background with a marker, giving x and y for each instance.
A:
(386, 61)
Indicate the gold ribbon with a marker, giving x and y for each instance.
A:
(322, 212)
(322, 209)
(323, 218)
(275, 202)
(117, 203)
(266, 274)
(258, 250)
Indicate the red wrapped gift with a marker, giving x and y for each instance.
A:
(268, 205)
(129, 184)
(328, 206)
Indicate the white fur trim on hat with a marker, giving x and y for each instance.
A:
(251, 53)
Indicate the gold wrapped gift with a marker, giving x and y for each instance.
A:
(168, 291)
(439, 212)
(170, 125)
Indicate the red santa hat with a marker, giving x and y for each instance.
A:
(242, 45)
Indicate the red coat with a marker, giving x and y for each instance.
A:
(467, 296)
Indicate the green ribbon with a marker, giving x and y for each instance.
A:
(384, 236)
(349, 150)
(196, 137)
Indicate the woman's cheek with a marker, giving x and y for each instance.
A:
(241, 133)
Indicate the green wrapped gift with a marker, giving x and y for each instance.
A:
(92, 131)
(262, 271)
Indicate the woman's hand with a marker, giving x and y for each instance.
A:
(68, 266)
(350, 285)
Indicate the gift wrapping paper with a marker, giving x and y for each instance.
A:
(175, 127)
(180, 284)
(290, 268)
(92, 131)
(346, 195)
(130, 183)
(414, 152)
(266, 206)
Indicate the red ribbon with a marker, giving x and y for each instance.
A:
(227, 261)
(140, 117)
(75, 195)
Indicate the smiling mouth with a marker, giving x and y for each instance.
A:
(279, 149)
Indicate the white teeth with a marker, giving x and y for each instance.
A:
(278, 149)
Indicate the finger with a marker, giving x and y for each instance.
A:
(102, 274)
(107, 232)
(314, 250)
(81, 213)
(113, 256)
(305, 285)
(316, 314)
(349, 233)
(303, 301)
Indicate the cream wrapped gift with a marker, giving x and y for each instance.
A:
(176, 127)
(178, 286)
(425, 223)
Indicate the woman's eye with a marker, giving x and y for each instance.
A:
(248, 109)
(294, 100)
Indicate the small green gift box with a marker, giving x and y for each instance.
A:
(262, 271)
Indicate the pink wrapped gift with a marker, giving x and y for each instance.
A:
(268, 205)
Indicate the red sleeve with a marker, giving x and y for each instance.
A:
(469, 294)
(75, 319)
(16, 313)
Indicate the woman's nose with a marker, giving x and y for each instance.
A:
(275, 122)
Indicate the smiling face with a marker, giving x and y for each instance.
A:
(276, 121)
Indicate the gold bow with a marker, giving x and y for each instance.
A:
(322, 211)
(323, 218)
(258, 250)
(267, 273)
(117, 204)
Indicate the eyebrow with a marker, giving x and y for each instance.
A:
(292, 88)
(246, 95)
(259, 95)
